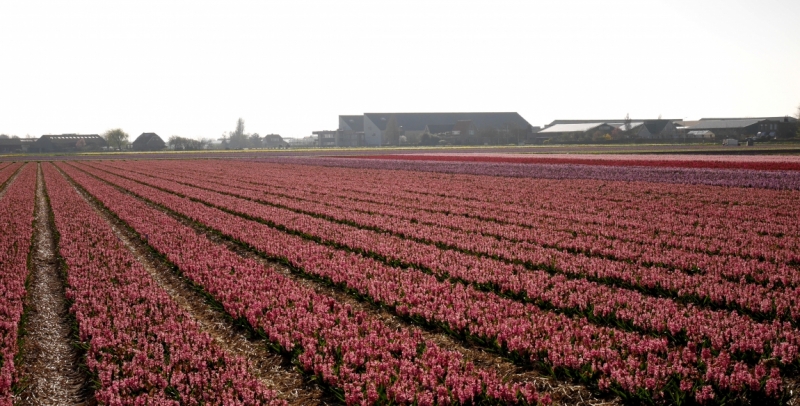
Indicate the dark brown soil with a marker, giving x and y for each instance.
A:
(49, 372)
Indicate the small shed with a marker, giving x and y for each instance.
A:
(730, 142)
(148, 142)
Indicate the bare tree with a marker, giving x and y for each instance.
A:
(626, 127)
(185, 144)
(116, 138)
(238, 139)
(797, 124)
(224, 140)
(255, 140)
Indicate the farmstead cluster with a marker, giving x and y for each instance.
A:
(646, 279)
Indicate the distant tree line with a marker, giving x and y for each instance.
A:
(187, 144)
(238, 139)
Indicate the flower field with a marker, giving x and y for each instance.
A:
(652, 280)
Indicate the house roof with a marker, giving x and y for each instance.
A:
(354, 122)
(71, 139)
(148, 139)
(571, 128)
(626, 127)
(724, 124)
(615, 120)
(781, 118)
(418, 121)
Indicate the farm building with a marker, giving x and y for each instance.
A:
(782, 127)
(10, 145)
(350, 132)
(148, 142)
(703, 134)
(68, 143)
(577, 128)
(636, 129)
(654, 128)
(376, 129)
(327, 138)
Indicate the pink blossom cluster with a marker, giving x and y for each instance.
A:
(632, 362)
(764, 301)
(16, 229)
(722, 330)
(368, 361)
(142, 347)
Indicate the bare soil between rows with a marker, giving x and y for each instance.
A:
(50, 372)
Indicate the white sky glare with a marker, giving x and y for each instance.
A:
(191, 68)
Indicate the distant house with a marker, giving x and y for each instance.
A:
(10, 145)
(747, 127)
(68, 143)
(729, 128)
(326, 138)
(148, 142)
(305, 142)
(577, 128)
(638, 129)
(656, 128)
(274, 141)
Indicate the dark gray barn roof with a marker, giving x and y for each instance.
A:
(71, 139)
(615, 120)
(782, 118)
(355, 122)
(725, 123)
(418, 121)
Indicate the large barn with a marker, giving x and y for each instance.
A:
(377, 129)
(68, 143)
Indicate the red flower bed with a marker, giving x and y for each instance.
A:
(618, 160)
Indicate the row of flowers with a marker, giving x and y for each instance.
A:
(701, 221)
(16, 230)
(632, 246)
(687, 176)
(637, 365)
(602, 304)
(781, 163)
(357, 355)
(761, 302)
(141, 347)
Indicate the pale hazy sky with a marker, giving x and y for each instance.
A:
(192, 68)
